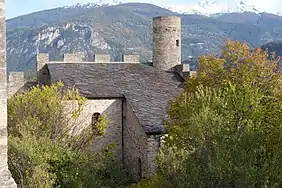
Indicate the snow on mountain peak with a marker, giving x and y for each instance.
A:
(203, 7)
(209, 8)
(97, 3)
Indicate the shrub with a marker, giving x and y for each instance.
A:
(225, 129)
(43, 152)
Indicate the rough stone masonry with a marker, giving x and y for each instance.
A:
(6, 180)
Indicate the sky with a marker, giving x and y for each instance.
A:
(19, 7)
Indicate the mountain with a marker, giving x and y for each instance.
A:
(275, 46)
(213, 8)
(127, 28)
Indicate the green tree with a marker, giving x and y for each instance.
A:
(225, 129)
(44, 152)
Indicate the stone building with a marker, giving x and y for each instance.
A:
(134, 96)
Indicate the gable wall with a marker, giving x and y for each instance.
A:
(112, 109)
(138, 146)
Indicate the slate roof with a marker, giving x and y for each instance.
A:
(146, 89)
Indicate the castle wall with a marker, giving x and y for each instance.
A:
(15, 82)
(6, 179)
(112, 108)
(140, 150)
(167, 42)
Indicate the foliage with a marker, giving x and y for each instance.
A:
(225, 129)
(44, 152)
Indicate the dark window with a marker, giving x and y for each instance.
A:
(177, 42)
(94, 121)
(139, 168)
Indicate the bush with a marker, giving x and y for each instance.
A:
(42, 150)
(225, 129)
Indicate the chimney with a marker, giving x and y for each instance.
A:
(41, 60)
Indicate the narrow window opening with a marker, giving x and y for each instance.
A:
(139, 168)
(177, 42)
(95, 121)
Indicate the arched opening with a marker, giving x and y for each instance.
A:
(177, 42)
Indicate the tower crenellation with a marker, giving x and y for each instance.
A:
(167, 42)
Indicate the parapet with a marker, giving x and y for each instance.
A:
(43, 58)
(102, 58)
(16, 81)
(130, 58)
(167, 21)
(73, 57)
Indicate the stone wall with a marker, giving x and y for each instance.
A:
(5, 176)
(16, 81)
(140, 150)
(112, 108)
(135, 141)
(153, 148)
(167, 42)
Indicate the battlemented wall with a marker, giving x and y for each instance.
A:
(112, 108)
(16, 81)
(167, 42)
(6, 179)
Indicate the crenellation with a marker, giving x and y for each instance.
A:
(130, 58)
(73, 57)
(102, 58)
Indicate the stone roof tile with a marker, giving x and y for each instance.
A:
(146, 89)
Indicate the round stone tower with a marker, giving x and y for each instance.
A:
(167, 42)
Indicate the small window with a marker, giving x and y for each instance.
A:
(177, 42)
(139, 168)
(95, 121)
